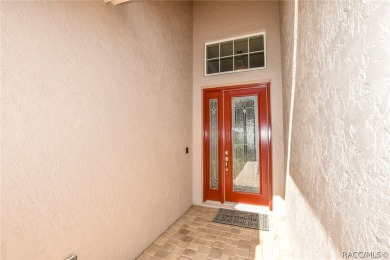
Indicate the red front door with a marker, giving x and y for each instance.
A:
(237, 144)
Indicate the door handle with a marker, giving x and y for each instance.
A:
(226, 160)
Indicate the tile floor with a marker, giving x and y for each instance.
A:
(195, 236)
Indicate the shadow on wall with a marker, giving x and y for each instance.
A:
(342, 181)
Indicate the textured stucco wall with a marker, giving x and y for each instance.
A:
(96, 114)
(216, 20)
(337, 192)
(287, 29)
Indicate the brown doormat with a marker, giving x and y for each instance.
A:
(242, 219)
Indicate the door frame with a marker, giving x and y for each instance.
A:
(220, 196)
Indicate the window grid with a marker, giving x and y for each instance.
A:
(234, 55)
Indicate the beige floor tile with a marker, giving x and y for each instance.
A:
(143, 257)
(189, 252)
(210, 237)
(235, 236)
(194, 246)
(213, 232)
(151, 250)
(255, 241)
(200, 256)
(230, 250)
(201, 229)
(220, 238)
(200, 241)
(242, 252)
(215, 253)
(244, 244)
(209, 243)
(183, 244)
(168, 247)
(195, 236)
(245, 237)
(225, 234)
(177, 251)
(246, 231)
(172, 241)
(161, 254)
(204, 250)
(232, 241)
(185, 232)
(236, 231)
(188, 239)
(226, 257)
(219, 244)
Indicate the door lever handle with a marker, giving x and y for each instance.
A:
(226, 160)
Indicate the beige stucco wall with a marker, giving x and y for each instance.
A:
(96, 114)
(218, 20)
(337, 192)
(288, 32)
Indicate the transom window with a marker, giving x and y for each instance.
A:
(235, 54)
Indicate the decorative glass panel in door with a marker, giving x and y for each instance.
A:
(245, 144)
(212, 122)
(213, 143)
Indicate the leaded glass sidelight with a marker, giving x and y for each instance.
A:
(245, 141)
(213, 143)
